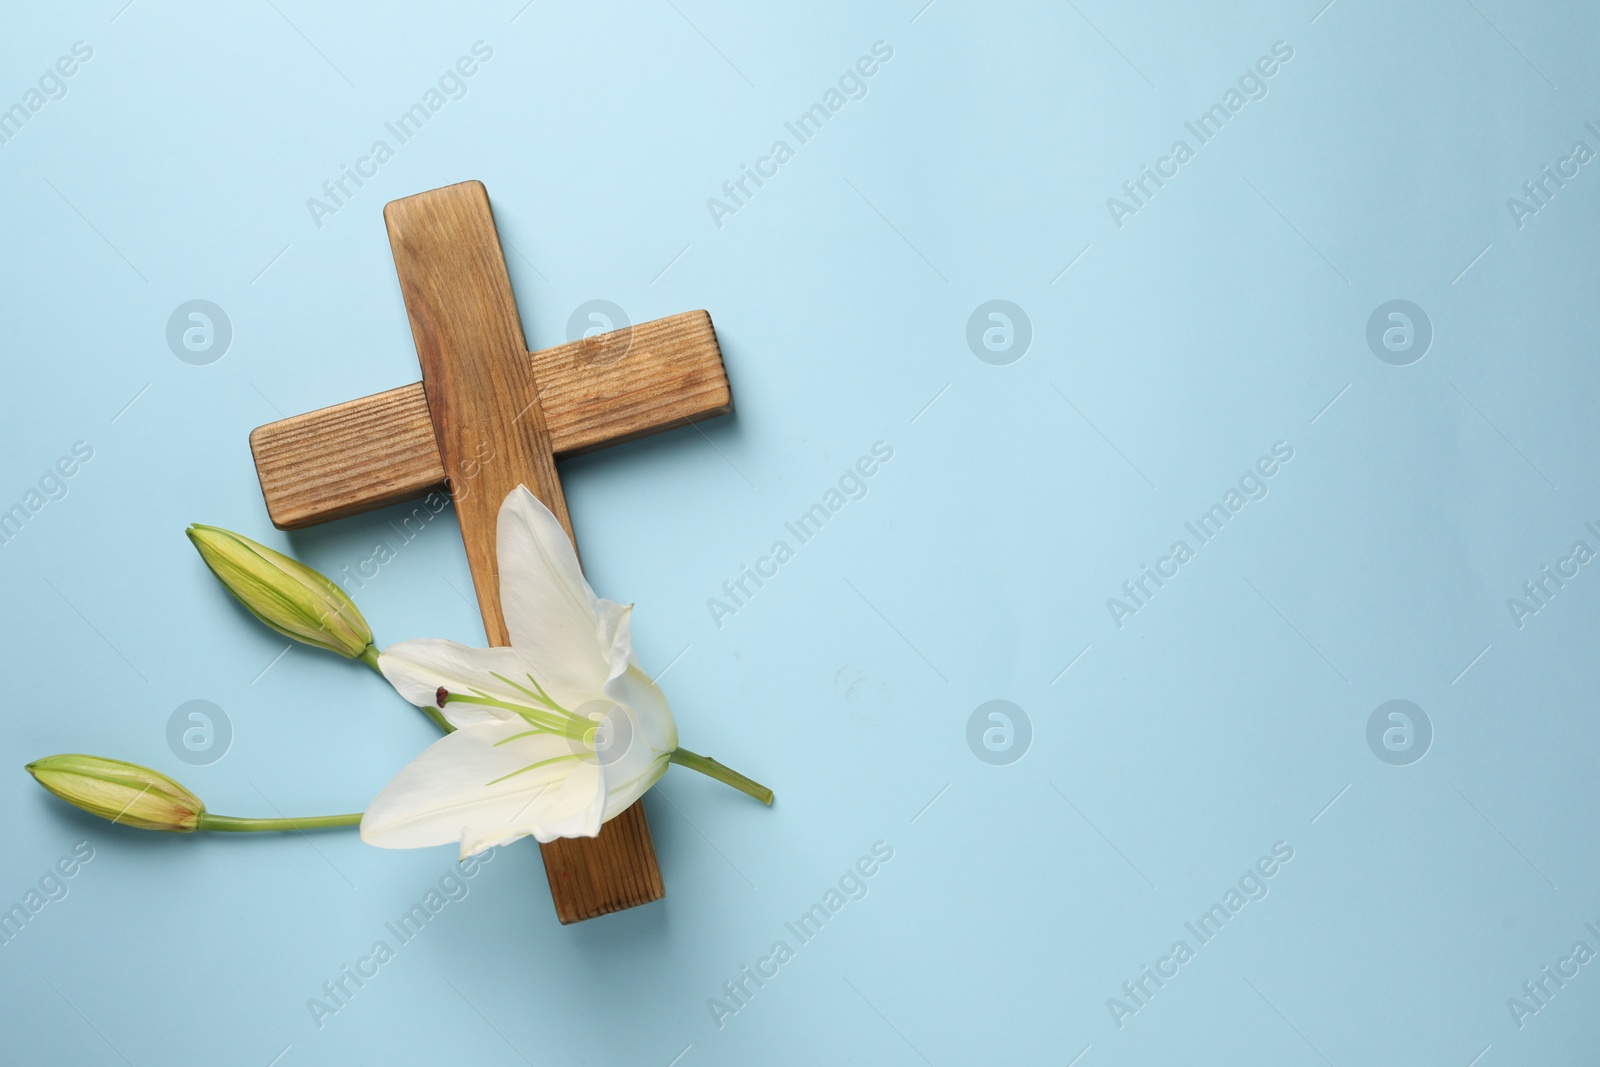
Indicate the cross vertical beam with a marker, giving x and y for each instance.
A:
(491, 434)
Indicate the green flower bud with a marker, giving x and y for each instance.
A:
(284, 593)
(122, 792)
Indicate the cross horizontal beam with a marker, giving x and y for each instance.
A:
(380, 449)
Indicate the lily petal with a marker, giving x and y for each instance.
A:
(486, 784)
(616, 636)
(550, 611)
(635, 690)
(654, 736)
(419, 669)
(620, 794)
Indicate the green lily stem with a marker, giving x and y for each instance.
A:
(726, 775)
(369, 656)
(230, 824)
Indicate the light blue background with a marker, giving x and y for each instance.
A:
(1227, 315)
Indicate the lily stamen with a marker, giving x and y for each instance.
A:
(541, 695)
(540, 720)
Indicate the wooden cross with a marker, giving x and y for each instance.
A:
(483, 394)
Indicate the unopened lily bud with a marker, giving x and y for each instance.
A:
(125, 793)
(284, 593)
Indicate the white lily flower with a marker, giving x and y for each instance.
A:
(555, 735)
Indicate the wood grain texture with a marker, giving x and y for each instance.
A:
(380, 450)
(490, 431)
(487, 420)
